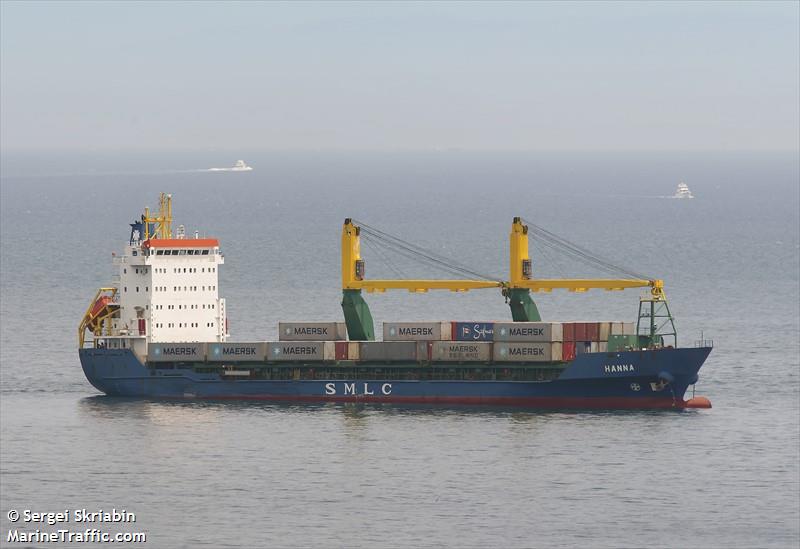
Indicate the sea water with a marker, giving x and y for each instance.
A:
(208, 474)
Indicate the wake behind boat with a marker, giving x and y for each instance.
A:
(240, 166)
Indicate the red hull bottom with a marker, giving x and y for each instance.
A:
(542, 403)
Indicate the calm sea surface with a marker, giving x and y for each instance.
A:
(256, 475)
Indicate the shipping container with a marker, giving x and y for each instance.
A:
(616, 328)
(341, 350)
(594, 347)
(557, 351)
(622, 342)
(352, 351)
(312, 331)
(424, 351)
(605, 330)
(603, 346)
(523, 352)
(296, 351)
(568, 350)
(237, 352)
(176, 352)
(416, 331)
(569, 331)
(472, 331)
(388, 351)
(628, 328)
(528, 331)
(461, 351)
(329, 351)
(580, 331)
(593, 331)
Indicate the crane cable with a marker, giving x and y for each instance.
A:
(562, 245)
(417, 253)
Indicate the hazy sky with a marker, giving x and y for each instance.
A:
(404, 75)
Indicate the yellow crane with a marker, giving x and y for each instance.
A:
(517, 289)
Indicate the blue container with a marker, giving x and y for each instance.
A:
(473, 331)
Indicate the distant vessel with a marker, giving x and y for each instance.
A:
(240, 166)
(683, 191)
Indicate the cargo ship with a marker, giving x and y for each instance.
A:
(161, 331)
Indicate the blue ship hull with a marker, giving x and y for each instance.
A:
(625, 380)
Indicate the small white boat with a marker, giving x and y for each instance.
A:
(683, 191)
(240, 166)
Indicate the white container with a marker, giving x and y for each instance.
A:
(628, 328)
(296, 351)
(461, 351)
(528, 331)
(176, 352)
(312, 331)
(523, 352)
(605, 330)
(416, 331)
(237, 352)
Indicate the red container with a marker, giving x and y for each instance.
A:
(592, 331)
(580, 331)
(341, 350)
(568, 350)
(569, 331)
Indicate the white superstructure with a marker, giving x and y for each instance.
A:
(165, 289)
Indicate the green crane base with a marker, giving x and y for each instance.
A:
(360, 326)
(523, 309)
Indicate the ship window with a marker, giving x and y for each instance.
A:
(184, 269)
(125, 271)
(147, 288)
(137, 288)
(190, 252)
(125, 289)
(159, 252)
(205, 252)
(181, 252)
(135, 252)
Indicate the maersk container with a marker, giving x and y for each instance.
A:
(176, 352)
(461, 351)
(312, 331)
(237, 352)
(569, 331)
(593, 331)
(473, 331)
(580, 331)
(296, 351)
(416, 331)
(388, 351)
(341, 350)
(528, 331)
(523, 352)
